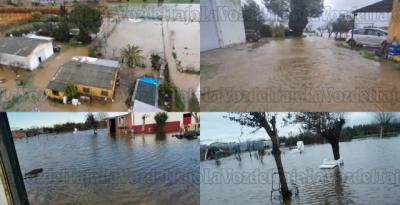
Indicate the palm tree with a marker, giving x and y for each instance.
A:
(131, 55)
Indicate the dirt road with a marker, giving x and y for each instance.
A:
(307, 74)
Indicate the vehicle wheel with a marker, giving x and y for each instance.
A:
(352, 43)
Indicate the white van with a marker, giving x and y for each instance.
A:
(373, 37)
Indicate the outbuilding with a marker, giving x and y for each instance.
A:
(24, 52)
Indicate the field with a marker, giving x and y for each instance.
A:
(13, 18)
(167, 1)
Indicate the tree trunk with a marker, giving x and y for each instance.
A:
(277, 155)
(381, 131)
(335, 148)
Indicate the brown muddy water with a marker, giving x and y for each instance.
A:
(303, 74)
(370, 175)
(83, 168)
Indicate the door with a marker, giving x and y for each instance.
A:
(112, 126)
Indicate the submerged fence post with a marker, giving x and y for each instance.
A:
(9, 162)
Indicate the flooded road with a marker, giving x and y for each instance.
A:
(86, 169)
(370, 175)
(301, 74)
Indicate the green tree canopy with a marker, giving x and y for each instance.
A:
(86, 17)
(253, 17)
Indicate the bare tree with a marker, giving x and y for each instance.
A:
(101, 116)
(384, 119)
(266, 121)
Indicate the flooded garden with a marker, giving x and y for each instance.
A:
(370, 175)
(83, 168)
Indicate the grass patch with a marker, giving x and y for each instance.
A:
(13, 102)
(165, 1)
(194, 105)
(178, 102)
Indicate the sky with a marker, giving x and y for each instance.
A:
(25, 120)
(214, 127)
(335, 7)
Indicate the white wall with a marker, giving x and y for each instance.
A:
(225, 27)
(31, 62)
(172, 117)
(8, 59)
(44, 51)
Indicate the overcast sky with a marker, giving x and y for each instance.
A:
(214, 127)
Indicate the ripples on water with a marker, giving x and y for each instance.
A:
(355, 182)
(86, 169)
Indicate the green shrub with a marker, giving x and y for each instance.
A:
(278, 31)
(265, 31)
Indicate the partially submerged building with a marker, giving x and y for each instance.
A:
(221, 24)
(144, 123)
(145, 95)
(24, 52)
(92, 77)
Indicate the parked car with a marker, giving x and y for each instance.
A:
(252, 35)
(373, 37)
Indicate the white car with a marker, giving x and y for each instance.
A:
(373, 37)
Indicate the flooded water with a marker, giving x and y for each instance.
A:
(300, 74)
(370, 175)
(86, 169)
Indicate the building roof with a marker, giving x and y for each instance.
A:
(19, 46)
(384, 6)
(87, 74)
(146, 92)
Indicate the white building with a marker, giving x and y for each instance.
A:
(221, 24)
(25, 52)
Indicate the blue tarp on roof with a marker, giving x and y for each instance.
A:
(149, 80)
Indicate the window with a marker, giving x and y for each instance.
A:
(55, 93)
(372, 32)
(86, 90)
(104, 93)
(121, 122)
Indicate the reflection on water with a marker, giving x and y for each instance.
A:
(86, 169)
(370, 175)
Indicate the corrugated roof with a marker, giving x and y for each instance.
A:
(87, 74)
(384, 6)
(57, 86)
(19, 46)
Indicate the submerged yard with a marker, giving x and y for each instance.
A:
(309, 73)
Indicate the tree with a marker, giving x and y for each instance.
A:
(342, 25)
(155, 61)
(160, 119)
(253, 17)
(326, 124)
(85, 17)
(70, 91)
(266, 121)
(131, 55)
(278, 7)
(101, 116)
(63, 11)
(61, 33)
(91, 122)
(384, 119)
(299, 11)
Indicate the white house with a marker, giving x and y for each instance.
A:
(221, 24)
(25, 52)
